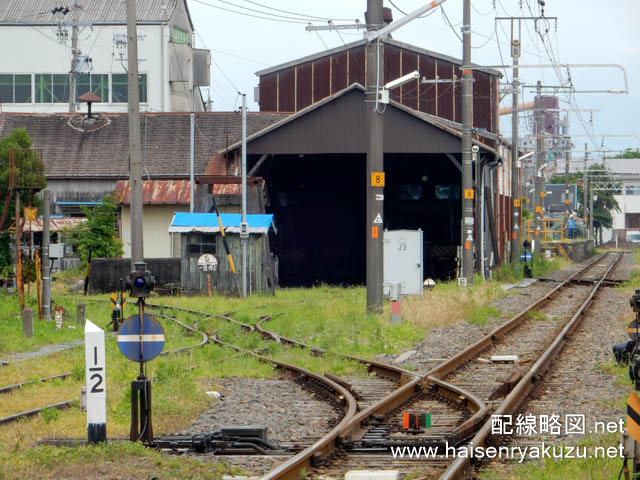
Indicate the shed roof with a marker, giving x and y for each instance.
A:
(208, 223)
(358, 43)
(98, 12)
(340, 128)
(55, 224)
(71, 148)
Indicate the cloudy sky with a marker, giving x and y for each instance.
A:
(587, 32)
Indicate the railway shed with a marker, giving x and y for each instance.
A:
(314, 166)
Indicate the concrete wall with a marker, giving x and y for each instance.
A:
(576, 251)
(156, 221)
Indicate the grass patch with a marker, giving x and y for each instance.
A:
(568, 468)
(540, 267)
(447, 304)
(120, 459)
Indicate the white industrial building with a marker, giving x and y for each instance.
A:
(626, 222)
(36, 52)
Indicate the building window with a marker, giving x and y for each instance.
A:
(199, 243)
(179, 35)
(632, 190)
(97, 83)
(120, 86)
(15, 88)
(52, 88)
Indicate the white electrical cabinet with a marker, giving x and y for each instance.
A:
(402, 254)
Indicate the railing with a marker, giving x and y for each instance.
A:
(553, 229)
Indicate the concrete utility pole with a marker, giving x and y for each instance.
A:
(538, 200)
(585, 189)
(46, 270)
(375, 162)
(591, 235)
(74, 57)
(467, 167)
(135, 173)
(567, 161)
(244, 232)
(515, 184)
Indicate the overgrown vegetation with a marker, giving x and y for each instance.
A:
(98, 236)
(28, 168)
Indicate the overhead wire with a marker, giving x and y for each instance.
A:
(300, 22)
(298, 14)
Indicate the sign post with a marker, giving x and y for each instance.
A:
(208, 263)
(95, 383)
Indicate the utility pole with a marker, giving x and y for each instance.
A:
(585, 189)
(244, 228)
(567, 162)
(46, 270)
(538, 200)
(74, 57)
(135, 173)
(375, 162)
(515, 187)
(591, 236)
(467, 167)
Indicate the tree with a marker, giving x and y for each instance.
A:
(99, 234)
(629, 153)
(30, 168)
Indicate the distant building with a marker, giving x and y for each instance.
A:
(626, 222)
(36, 58)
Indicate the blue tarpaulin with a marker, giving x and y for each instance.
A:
(208, 223)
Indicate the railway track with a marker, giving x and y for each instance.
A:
(459, 406)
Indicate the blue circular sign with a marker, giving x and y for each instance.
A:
(141, 344)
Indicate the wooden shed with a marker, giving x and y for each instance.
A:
(196, 234)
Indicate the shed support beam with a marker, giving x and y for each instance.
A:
(455, 161)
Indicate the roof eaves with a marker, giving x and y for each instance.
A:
(296, 115)
(310, 58)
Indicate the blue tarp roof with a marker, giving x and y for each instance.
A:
(208, 222)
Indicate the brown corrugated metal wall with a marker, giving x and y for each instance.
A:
(298, 86)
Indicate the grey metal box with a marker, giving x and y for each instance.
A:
(402, 253)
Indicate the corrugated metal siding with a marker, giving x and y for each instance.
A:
(340, 127)
(444, 95)
(428, 91)
(268, 92)
(411, 90)
(96, 11)
(339, 72)
(303, 82)
(357, 62)
(321, 78)
(392, 69)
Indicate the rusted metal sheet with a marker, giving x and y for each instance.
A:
(427, 98)
(303, 85)
(481, 101)
(392, 69)
(321, 70)
(286, 91)
(269, 92)
(357, 62)
(338, 72)
(56, 224)
(169, 192)
(411, 90)
(444, 96)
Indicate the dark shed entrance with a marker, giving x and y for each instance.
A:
(314, 166)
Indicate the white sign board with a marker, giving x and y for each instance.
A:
(95, 381)
(207, 263)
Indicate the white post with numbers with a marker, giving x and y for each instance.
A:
(95, 382)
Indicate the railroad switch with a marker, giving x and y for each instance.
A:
(242, 440)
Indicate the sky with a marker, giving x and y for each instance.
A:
(587, 32)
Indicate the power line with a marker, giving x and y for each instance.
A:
(249, 15)
(299, 14)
